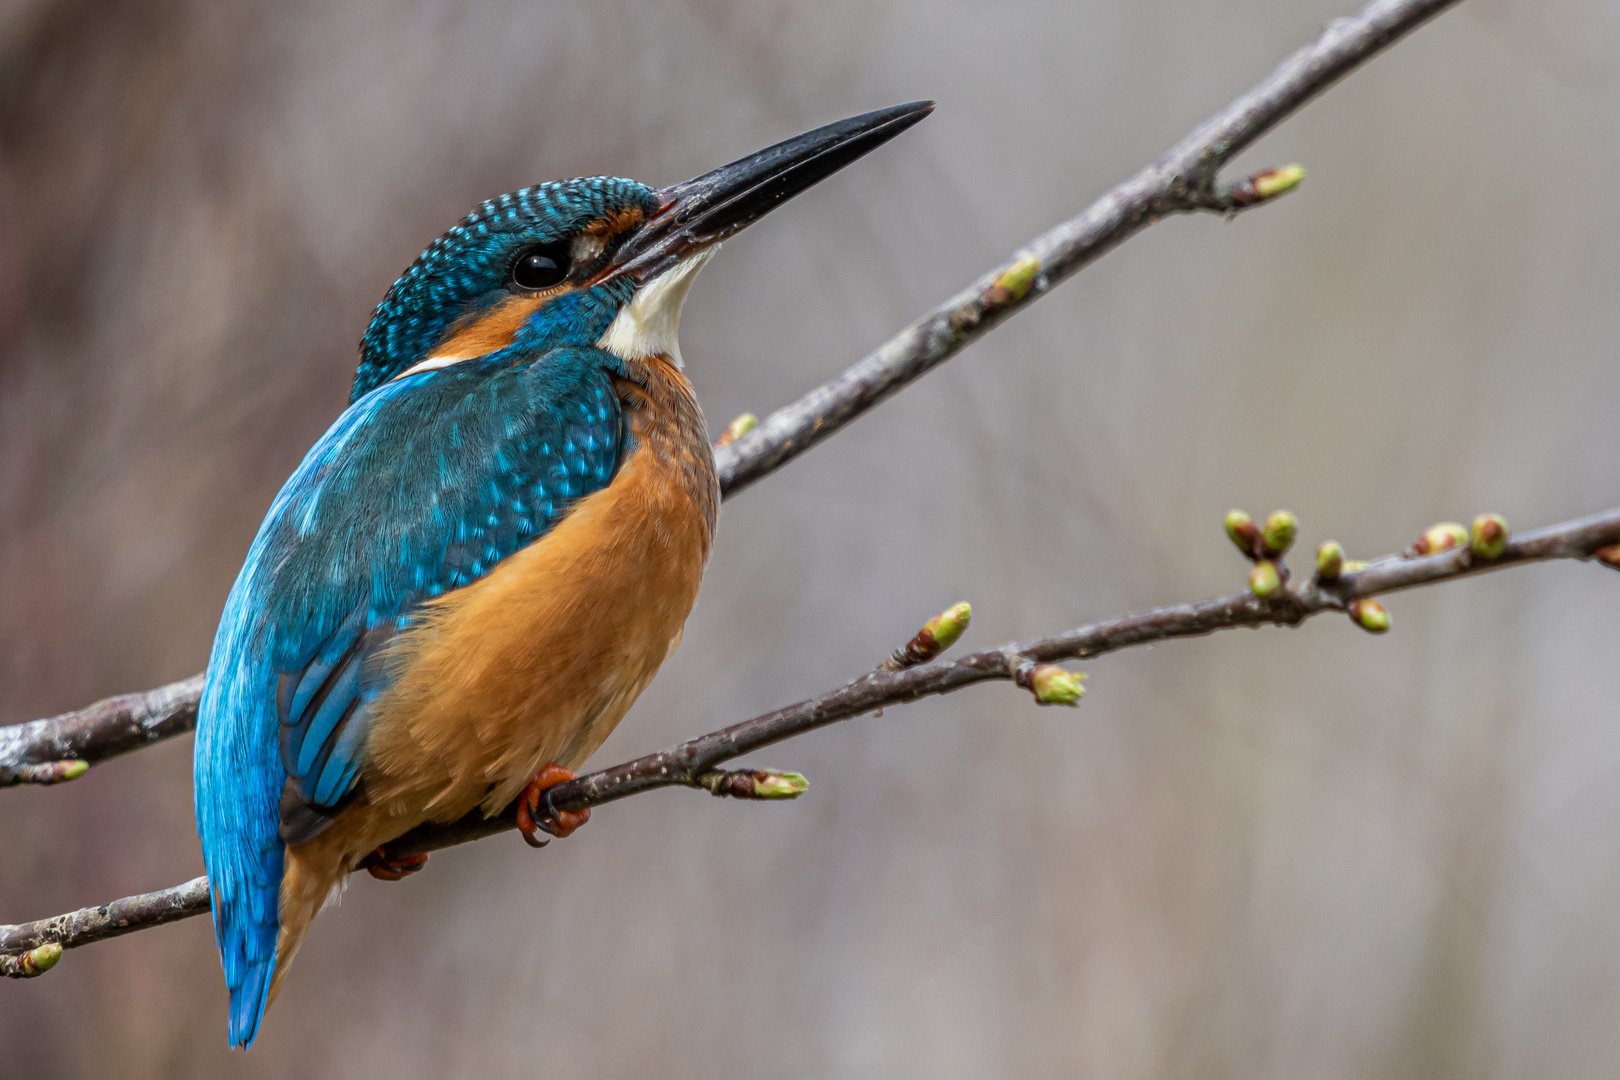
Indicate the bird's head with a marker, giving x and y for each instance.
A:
(591, 261)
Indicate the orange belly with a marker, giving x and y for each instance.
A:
(539, 661)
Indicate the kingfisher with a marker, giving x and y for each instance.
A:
(483, 562)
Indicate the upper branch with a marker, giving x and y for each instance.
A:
(1183, 180)
(62, 747)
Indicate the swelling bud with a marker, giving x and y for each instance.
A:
(1489, 536)
(1243, 532)
(1264, 580)
(1275, 182)
(946, 627)
(34, 962)
(1054, 685)
(936, 635)
(1329, 560)
(1442, 537)
(1277, 534)
(737, 429)
(1369, 615)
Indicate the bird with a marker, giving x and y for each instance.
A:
(482, 563)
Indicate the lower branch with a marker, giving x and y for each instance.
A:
(1031, 664)
(108, 920)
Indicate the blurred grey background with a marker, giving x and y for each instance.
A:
(1277, 854)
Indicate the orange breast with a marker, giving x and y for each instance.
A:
(539, 661)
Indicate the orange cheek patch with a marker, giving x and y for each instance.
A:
(490, 330)
(609, 225)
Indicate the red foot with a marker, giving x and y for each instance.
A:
(384, 867)
(534, 801)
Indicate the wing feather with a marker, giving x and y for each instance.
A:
(422, 486)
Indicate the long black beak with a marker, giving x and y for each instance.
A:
(708, 208)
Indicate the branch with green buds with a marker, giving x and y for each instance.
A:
(1185, 180)
(1033, 664)
(63, 747)
(1487, 540)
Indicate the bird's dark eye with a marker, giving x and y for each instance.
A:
(541, 267)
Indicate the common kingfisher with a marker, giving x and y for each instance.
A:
(482, 563)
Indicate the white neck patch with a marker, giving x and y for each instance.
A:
(650, 324)
(432, 363)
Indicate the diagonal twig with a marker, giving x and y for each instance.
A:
(61, 747)
(1183, 181)
(691, 763)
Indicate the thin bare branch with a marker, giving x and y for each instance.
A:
(1184, 180)
(62, 747)
(695, 763)
(109, 920)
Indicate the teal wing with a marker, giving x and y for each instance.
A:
(421, 487)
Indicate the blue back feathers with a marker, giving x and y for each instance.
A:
(423, 485)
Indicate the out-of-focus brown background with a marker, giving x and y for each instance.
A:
(1280, 854)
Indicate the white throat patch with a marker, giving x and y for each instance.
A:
(650, 324)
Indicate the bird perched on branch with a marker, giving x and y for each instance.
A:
(481, 565)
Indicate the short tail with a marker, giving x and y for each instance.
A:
(249, 1000)
(245, 928)
(259, 933)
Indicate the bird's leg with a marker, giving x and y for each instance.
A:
(535, 812)
(385, 867)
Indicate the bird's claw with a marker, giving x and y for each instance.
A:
(535, 814)
(385, 867)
